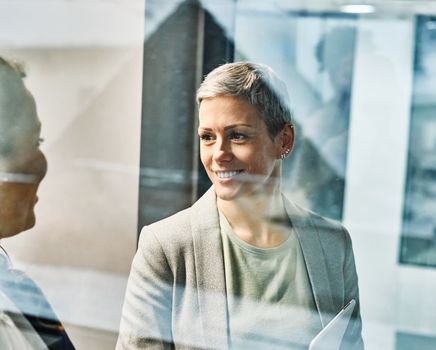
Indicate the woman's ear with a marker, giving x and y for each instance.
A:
(287, 136)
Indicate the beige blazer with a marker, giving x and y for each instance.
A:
(176, 293)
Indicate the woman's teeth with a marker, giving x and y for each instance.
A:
(227, 174)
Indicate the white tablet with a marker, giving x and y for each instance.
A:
(330, 337)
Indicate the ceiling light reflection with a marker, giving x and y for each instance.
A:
(357, 8)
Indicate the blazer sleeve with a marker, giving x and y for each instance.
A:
(353, 335)
(146, 315)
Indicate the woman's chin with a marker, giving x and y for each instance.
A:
(226, 193)
(235, 191)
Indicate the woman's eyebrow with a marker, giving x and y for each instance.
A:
(232, 126)
(236, 125)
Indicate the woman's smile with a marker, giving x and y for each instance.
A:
(229, 174)
(235, 147)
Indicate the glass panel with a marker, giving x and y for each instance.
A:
(83, 66)
(362, 92)
(418, 243)
(314, 54)
(361, 140)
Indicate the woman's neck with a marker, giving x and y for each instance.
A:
(253, 218)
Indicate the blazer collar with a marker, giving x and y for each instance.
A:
(209, 265)
(314, 258)
(209, 260)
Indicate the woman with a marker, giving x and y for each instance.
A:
(243, 267)
(27, 320)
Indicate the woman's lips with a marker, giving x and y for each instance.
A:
(228, 174)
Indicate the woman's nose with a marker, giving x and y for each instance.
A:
(222, 151)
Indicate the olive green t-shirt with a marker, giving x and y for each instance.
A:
(270, 301)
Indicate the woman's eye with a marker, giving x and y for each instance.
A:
(40, 141)
(238, 136)
(206, 137)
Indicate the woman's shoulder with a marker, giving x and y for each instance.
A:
(326, 227)
(331, 234)
(169, 234)
(327, 224)
(181, 218)
(177, 229)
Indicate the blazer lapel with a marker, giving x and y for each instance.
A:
(209, 262)
(314, 258)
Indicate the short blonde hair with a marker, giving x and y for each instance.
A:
(257, 84)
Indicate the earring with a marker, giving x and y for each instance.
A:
(285, 154)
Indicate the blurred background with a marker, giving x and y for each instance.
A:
(114, 82)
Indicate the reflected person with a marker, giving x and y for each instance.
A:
(243, 267)
(319, 165)
(27, 321)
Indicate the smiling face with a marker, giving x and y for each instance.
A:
(236, 150)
